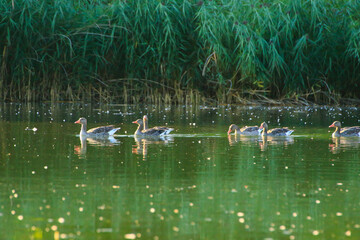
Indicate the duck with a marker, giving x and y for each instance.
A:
(276, 131)
(166, 129)
(248, 131)
(345, 132)
(156, 131)
(95, 132)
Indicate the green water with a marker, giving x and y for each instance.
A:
(197, 183)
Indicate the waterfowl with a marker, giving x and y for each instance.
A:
(95, 132)
(157, 131)
(166, 129)
(345, 132)
(248, 131)
(140, 127)
(276, 131)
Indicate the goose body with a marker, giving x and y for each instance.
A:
(344, 132)
(156, 131)
(95, 132)
(275, 131)
(247, 131)
(166, 130)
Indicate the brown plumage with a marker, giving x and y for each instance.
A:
(275, 131)
(345, 132)
(151, 131)
(248, 131)
(95, 132)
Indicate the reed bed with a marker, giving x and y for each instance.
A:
(221, 51)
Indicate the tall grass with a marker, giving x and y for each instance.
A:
(154, 51)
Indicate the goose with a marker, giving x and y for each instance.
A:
(276, 131)
(166, 129)
(95, 132)
(344, 132)
(156, 131)
(248, 131)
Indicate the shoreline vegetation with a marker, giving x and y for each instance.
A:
(181, 52)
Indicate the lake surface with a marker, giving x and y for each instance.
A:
(197, 183)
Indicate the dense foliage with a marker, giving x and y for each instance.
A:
(226, 50)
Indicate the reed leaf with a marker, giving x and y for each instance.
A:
(280, 48)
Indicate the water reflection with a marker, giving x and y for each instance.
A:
(266, 140)
(142, 143)
(103, 141)
(263, 141)
(341, 143)
(236, 139)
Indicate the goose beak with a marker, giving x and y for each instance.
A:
(78, 121)
(134, 122)
(229, 132)
(332, 125)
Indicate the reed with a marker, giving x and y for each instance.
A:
(161, 51)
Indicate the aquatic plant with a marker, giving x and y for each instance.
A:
(160, 51)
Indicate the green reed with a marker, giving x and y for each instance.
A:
(224, 50)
